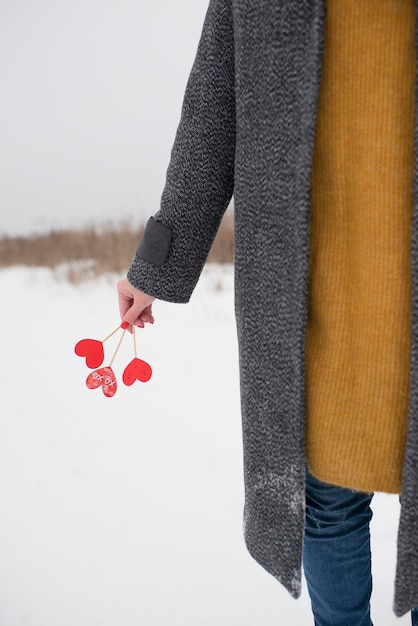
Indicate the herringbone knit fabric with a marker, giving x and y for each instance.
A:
(358, 334)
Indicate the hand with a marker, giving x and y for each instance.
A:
(135, 306)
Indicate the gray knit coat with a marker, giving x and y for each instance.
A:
(247, 129)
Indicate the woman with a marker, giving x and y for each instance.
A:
(304, 111)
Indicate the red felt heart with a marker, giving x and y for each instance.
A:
(105, 378)
(137, 369)
(92, 349)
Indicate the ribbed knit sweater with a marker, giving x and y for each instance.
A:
(358, 335)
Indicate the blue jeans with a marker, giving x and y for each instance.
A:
(336, 558)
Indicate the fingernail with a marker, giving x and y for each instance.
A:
(125, 325)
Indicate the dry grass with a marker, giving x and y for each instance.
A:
(223, 247)
(92, 252)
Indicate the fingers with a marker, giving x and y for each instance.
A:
(135, 307)
(138, 315)
(146, 316)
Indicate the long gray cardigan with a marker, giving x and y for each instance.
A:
(247, 129)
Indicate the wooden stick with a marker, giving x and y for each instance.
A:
(133, 335)
(117, 348)
(111, 334)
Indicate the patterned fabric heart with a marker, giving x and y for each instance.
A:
(137, 369)
(105, 378)
(92, 349)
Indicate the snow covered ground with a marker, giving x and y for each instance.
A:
(126, 511)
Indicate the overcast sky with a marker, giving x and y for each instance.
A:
(91, 92)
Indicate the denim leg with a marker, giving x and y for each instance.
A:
(414, 617)
(337, 559)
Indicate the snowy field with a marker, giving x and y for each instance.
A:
(126, 511)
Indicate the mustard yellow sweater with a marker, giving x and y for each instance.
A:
(358, 335)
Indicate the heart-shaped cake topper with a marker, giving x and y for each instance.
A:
(137, 369)
(104, 378)
(92, 349)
